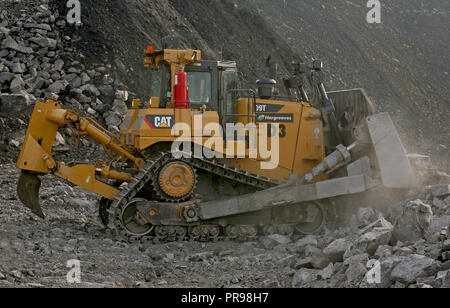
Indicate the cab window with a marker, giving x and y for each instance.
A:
(230, 82)
(199, 86)
(155, 83)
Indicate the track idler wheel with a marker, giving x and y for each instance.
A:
(133, 222)
(314, 218)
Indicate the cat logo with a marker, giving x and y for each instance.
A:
(159, 121)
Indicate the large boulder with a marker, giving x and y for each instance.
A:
(412, 221)
(355, 273)
(14, 102)
(370, 241)
(413, 267)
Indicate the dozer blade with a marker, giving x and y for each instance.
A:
(28, 191)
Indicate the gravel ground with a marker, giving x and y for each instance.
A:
(34, 252)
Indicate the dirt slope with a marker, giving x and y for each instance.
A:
(118, 32)
(403, 63)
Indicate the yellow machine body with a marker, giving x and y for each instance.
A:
(299, 144)
(301, 139)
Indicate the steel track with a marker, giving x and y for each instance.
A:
(203, 232)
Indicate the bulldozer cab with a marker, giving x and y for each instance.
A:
(210, 85)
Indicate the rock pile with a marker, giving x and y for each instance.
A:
(413, 251)
(37, 60)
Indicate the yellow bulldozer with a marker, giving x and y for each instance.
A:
(203, 158)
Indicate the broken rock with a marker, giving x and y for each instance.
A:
(446, 245)
(10, 43)
(302, 243)
(6, 77)
(44, 42)
(320, 261)
(273, 240)
(122, 95)
(17, 84)
(439, 191)
(370, 241)
(443, 279)
(14, 102)
(327, 272)
(302, 263)
(98, 106)
(379, 223)
(413, 267)
(14, 143)
(119, 106)
(304, 276)
(335, 251)
(413, 221)
(387, 265)
(57, 87)
(113, 119)
(59, 139)
(355, 274)
(366, 215)
(440, 223)
(361, 258)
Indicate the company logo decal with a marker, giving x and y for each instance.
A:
(159, 121)
(275, 118)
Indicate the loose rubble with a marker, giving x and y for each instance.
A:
(37, 61)
(34, 251)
